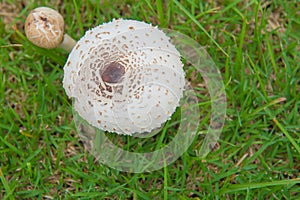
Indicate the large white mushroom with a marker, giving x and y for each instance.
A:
(125, 77)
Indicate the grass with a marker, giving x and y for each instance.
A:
(255, 45)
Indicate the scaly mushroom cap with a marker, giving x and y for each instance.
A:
(125, 77)
(44, 27)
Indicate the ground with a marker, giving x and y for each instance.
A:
(254, 44)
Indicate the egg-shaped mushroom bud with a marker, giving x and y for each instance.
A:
(44, 27)
(125, 77)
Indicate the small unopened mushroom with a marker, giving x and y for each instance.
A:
(125, 77)
(44, 27)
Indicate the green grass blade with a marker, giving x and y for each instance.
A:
(78, 15)
(290, 138)
(160, 12)
(11, 147)
(199, 25)
(239, 187)
(6, 186)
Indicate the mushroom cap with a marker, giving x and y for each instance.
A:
(125, 77)
(44, 27)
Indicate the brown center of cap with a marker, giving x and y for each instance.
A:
(113, 73)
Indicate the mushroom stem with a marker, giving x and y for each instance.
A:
(67, 43)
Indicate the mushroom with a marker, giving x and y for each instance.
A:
(44, 27)
(125, 76)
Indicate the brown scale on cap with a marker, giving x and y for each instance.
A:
(113, 73)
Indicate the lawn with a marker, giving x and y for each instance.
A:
(254, 44)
